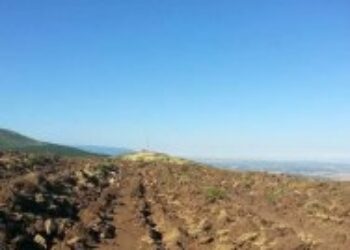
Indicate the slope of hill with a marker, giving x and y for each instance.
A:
(10, 140)
(111, 151)
(154, 201)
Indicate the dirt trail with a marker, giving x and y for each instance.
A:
(130, 230)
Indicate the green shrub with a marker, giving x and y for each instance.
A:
(273, 196)
(39, 159)
(105, 168)
(215, 193)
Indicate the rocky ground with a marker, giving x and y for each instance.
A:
(160, 202)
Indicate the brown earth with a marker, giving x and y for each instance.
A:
(60, 203)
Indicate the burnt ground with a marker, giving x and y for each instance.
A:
(102, 203)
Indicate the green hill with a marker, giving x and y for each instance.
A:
(10, 140)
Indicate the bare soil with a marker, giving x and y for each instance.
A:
(104, 203)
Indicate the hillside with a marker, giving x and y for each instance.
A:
(10, 140)
(111, 151)
(155, 201)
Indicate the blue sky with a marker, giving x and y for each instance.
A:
(247, 79)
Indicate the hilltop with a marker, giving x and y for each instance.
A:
(155, 201)
(13, 141)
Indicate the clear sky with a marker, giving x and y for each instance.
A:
(249, 78)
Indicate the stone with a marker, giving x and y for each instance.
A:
(61, 226)
(247, 237)
(79, 246)
(222, 217)
(50, 226)
(73, 241)
(39, 198)
(172, 238)
(204, 225)
(39, 239)
(16, 216)
(206, 240)
(39, 226)
(88, 173)
(111, 181)
(107, 232)
(222, 232)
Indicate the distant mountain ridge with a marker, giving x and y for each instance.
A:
(11, 140)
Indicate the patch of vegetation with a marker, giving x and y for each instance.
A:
(54, 149)
(247, 180)
(185, 168)
(105, 168)
(40, 160)
(274, 195)
(215, 193)
(315, 206)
